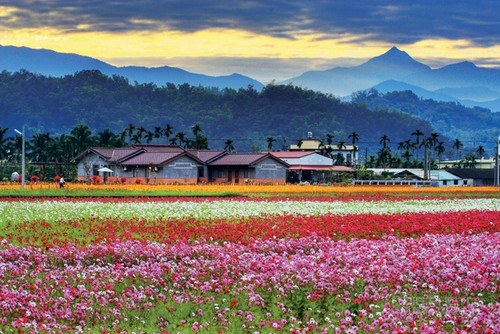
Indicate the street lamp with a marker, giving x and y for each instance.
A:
(23, 176)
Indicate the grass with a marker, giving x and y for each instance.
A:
(55, 193)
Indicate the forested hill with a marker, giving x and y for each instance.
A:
(247, 117)
(473, 126)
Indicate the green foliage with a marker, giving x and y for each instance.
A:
(474, 126)
(284, 112)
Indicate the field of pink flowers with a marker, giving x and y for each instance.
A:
(260, 265)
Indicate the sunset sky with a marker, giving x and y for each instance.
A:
(266, 40)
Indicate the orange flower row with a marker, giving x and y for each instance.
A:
(265, 189)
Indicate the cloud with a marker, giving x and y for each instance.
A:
(386, 21)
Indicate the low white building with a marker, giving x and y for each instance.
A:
(309, 166)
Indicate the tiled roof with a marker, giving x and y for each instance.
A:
(147, 158)
(205, 155)
(120, 153)
(106, 152)
(473, 173)
(291, 154)
(241, 159)
(159, 148)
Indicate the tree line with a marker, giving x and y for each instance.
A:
(54, 155)
(247, 116)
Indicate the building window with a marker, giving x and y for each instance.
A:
(201, 172)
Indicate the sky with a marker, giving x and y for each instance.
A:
(266, 40)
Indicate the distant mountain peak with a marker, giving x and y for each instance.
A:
(463, 64)
(394, 55)
(395, 50)
(394, 64)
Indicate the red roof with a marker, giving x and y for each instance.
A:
(120, 153)
(319, 167)
(205, 155)
(159, 148)
(106, 152)
(147, 158)
(238, 159)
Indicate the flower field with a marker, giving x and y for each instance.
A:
(405, 261)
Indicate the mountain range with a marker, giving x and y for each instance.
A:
(55, 64)
(394, 70)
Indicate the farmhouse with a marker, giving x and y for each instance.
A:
(414, 176)
(346, 153)
(309, 166)
(161, 164)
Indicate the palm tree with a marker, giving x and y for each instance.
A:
(200, 141)
(139, 133)
(384, 140)
(341, 145)
(439, 149)
(196, 129)
(129, 132)
(417, 134)
(168, 131)
(149, 136)
(61, 152)
(107, 138)
(401, 146)
(181, 136)
(158, 132)
(329, 138)
(406, 155)
(270, 141)
(457, 144)
(480, 151)
(38, 151)
(354, 136)
(470, 161)
(229, 146)
(82, 138)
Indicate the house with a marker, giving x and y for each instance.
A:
(162, 164)
(415, 177)
(247, 168)
(139, 163)
(309, 166)
(480, 163)
(475, 176)
(349, 153)
(205, 156)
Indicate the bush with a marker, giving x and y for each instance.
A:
(35, 178)
(57, 178)
(123, 180)
(138, 181)
(95, 179)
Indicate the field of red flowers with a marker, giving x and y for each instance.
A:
(250, 265)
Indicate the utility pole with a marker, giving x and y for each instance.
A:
(497, 157)
(23, 176)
